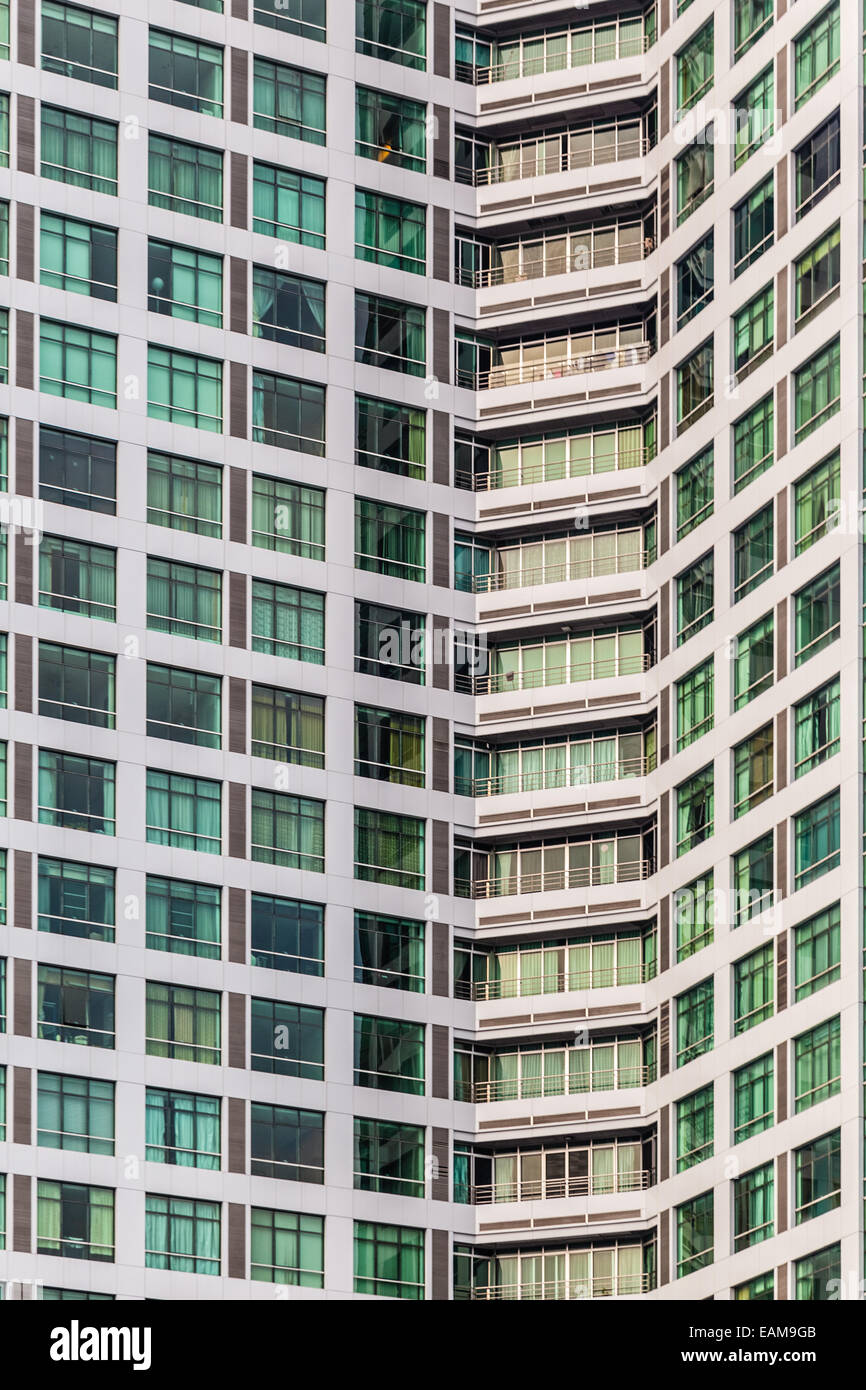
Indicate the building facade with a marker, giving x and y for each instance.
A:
(432, 465)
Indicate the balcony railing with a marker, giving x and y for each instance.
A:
(495, 682)
(573, 56)
(581, 257)
(556, 1084)
(524, 475)
(549, 1189)
(553, 982)
(535, 165)
(603, 1286)
(522, 372)
(554, 880)
(560, 573)
(553, 778)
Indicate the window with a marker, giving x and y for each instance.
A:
(184, 600)
(184, 494)
(695, 169)
(389, 642)
(4, 234)
(695, 281)
(695, 1022)
(390, 334)
(753, 443)
(694, 1128)
(288, 205)
(2, 1140)
(75, 1006)
(817, 390)
(288, 309)
(185, 389)
(753, 989)
(77, 470)
(183, 1234)
(182, 1023)
(752, 18)
(817, 502)
(79, 43)
(75, 1112)
(753, 880)
(754, 114)
(77, 256)
(76, 685)
(390, 232)
(817, 276)
(288, 517)
(816, 166)
(186, 72)
(753, 1207)
(389, 848)
(817, 1064)
(287, 1247)
(694, 386)
(816, 840)
(694, 911)
(184, 812)
(389, 951)
(183, 705)
(694, 492)
(753, 664)
(182, 1129)
(183, 917)
(818, 1177)
(3, 966)
(288, 726)
(389, 1157)
(695, 598)
(753, 771)
(287, 830)
(76, 899)
(390, 438)
(695, 705)
(753, 1098)
(288, 622)
(817, 611)
(752, 331)
(389, 746)
(77, 149)
(389, 1260)
(76, 793)
(390, 128)
(392, 30)
(288, 414)
(185, 178)
(695, 69)
(289, 101)
(4, 131)
(287, 1143)
(287, 934)
(287, 1039)
(77, 363)
(816, 727)
(816, 55)
(819, 1276)
(694, 1234)
(307, 19)
(695, 810)
(74, 1221)
(817, 952)
(389, 540)
(389, 1054)
(753, 225)
(184, 283)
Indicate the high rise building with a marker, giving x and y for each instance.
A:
(431, 442)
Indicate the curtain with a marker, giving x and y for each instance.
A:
(530, 1074)
(602, 1169)
(48, 1211)
(101, 1232)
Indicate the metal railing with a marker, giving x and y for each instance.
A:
(579, 259)
(601, 1286)
(495, 682)
(522, 372)
(535, 165)
(554, 880)
(561, 572)
(555, 1084)
(553, 982)
(552, 778)
(557, 62)
(527, 474)
(550, 1189)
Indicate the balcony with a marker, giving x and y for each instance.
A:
(552, 1189)
(557, 1289)
(537, 1087)
(498, 682)
(561, 50)
(556, 778)
(506, 575)
(554, 982)
(552, 369)
(592, 248)
(564, 152)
